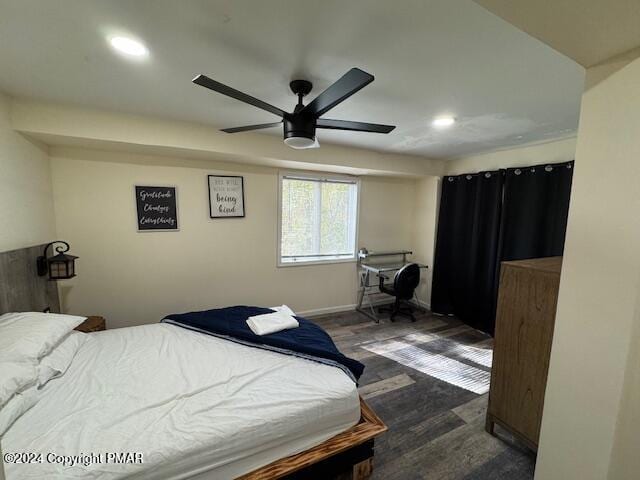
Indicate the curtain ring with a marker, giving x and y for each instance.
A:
(548, 168)
(517, 171)
(487, 175)
(469, 177)
(450, 179)
(533, 170)
(569, 166)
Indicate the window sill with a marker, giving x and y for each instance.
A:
(304, 263)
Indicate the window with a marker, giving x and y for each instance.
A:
(318, 218)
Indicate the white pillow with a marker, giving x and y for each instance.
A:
(19, 404)
(284, 309)
(58, 360)
(28, 336)
(15, 377)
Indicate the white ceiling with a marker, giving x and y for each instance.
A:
(429, 57)
(589, 31)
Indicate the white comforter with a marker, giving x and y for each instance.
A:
(192, 404)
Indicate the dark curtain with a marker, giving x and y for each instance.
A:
(490, 217)
(466, 258)
(535, 210)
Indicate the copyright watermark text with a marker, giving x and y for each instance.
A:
(85, 459)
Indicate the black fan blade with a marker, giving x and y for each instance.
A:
(206, 82)
(355, 126)
(352, 81)
(250, 127)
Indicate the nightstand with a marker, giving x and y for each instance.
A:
(92, 324)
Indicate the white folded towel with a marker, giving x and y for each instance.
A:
(271, 323)
(283, 309)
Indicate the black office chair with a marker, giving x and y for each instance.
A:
(405, 282)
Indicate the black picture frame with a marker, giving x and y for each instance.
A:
(162, 213)
(211, 203)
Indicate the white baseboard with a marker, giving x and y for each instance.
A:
(346, 308)
(420, 303)
(326, 310)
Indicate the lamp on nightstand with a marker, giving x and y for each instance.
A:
(60, 266)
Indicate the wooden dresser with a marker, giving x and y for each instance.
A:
(526, 313)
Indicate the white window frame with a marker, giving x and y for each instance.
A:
(317, 176)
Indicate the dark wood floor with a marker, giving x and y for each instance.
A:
(436, 429)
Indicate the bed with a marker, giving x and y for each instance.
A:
(189, 405)
(217, 426)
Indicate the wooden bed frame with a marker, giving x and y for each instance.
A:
(348, 455)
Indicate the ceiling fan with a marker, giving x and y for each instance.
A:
(300, 125)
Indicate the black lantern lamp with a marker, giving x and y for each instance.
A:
(60, 266)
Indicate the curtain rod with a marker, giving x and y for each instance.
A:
(320, 180)
(503, 171)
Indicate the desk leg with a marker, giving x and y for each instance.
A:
(364, 282)
(361, 291)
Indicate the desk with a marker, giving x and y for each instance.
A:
(379, 269)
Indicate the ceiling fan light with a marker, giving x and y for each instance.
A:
(129, 46)
(300, 143)
(443, 122)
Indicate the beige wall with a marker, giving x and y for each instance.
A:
(550, 152)
(426, 202)
(26, 206)
(625, 461)
(134, 278)
(591, 412)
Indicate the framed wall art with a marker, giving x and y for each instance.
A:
(226, 196)
(157, 208)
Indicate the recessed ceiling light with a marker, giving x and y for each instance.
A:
(443, 122)
(128, 46)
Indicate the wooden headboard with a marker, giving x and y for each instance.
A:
(21, 289)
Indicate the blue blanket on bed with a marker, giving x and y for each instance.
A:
(307, 341)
